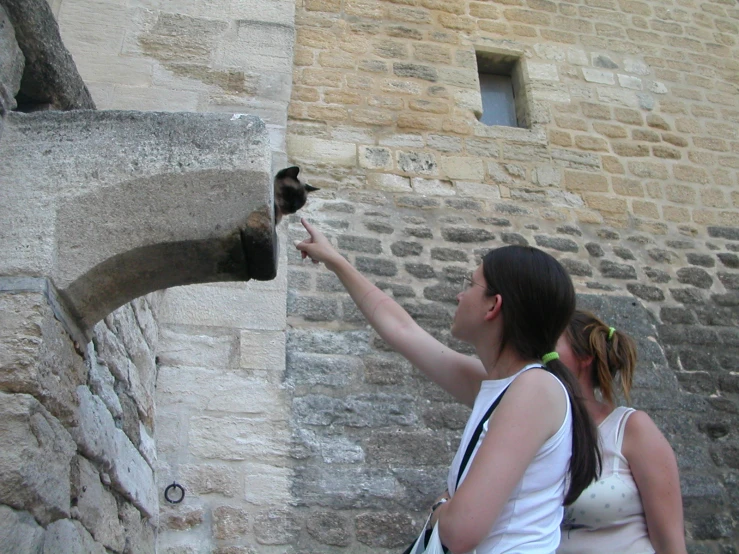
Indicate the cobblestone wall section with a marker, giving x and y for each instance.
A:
(373, 438)
(628, 174)
(84, 478)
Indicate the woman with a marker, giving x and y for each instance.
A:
(512, 310)
(635, 507)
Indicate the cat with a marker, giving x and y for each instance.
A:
(290, 192)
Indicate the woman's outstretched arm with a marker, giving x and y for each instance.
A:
(654, 468)
(456, 373)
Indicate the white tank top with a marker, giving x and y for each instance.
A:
(608, 517)
(529, 521)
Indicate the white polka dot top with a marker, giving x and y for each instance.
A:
(608, 517)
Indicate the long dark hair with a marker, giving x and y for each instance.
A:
(613, 352)
(538, 303)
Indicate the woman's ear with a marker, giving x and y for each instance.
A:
(495, 307)
(584, 365)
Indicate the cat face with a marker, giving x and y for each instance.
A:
(290, 192)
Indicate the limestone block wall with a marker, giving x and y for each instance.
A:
(627, 172)
(220, 409)
(233, 56)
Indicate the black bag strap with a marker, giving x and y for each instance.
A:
(476, 437)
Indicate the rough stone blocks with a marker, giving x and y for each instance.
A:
(35, 456)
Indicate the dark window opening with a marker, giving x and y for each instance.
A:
(502, 90)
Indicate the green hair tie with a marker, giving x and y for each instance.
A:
(546, 358)
(611, 330)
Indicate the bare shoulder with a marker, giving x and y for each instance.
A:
(537, 392)
(537, 381)
(643, 438)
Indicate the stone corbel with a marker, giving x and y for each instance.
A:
(114, 205)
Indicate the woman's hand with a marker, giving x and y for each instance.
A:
(436, 508)
(317, 247)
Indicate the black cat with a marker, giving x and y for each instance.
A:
(290, 192)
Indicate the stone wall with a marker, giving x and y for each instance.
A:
(76, 470)
(627, 173)
(221, 412)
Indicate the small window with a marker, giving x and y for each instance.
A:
(502, 91)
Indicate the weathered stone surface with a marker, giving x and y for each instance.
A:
(623, 253)
(695, 276)
(576, 267)
(595, 250)
(50, 75)
(139, 531)
(657, 275)
(101, 382)
(617, 271)
(19, 532)
(448, 255)
(133, 476)
(95, 434)
(353, 343)
(376, 266)
(556, 243)
(653, 294)
(367, 410)
(181, 518)
(312, 308)
(100, 440)
(204, 479)
(276, 527)
(729, 280)
(421, 271)
(360, 244)
(329, 528)
(35, 455)
(345, 488)
(395, 448)
(443, 293)
(230, 523)
(37, 356)
(514, 238)
(11, 65)
(238, 438)
(65, 535)
(403, 249)
(178, 348)
(97, 507)
(383, 530)
(729, 233)
(466, 234)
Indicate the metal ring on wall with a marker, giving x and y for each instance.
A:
(174, 486)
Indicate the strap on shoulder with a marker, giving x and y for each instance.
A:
(476, 436)
(621, 429)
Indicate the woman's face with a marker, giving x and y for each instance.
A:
(472, 304)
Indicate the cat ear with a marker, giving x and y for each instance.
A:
(310, 188)
(291, 172)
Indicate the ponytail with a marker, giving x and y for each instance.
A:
(613, 353)
(538, 302)
(586, 463)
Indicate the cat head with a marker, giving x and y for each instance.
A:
(290, 192)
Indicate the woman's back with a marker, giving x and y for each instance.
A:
(531, 517)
